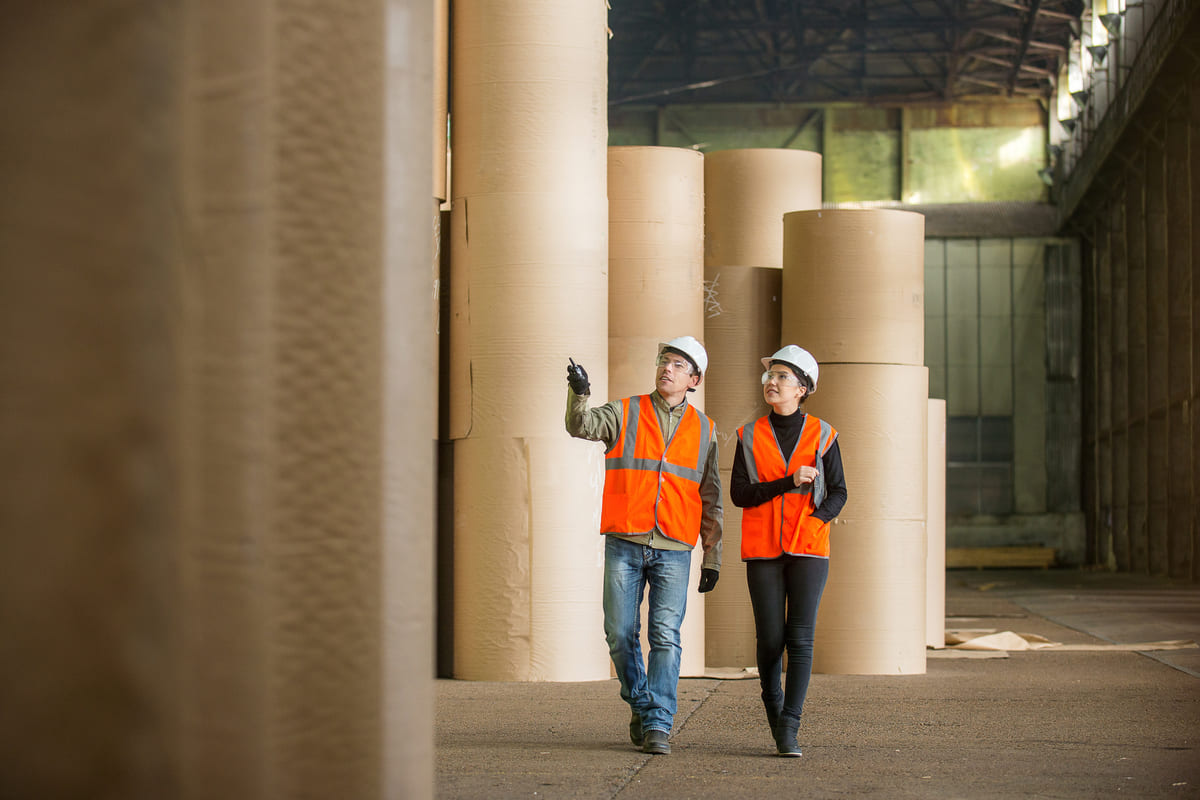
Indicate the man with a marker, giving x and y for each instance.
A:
(662, 494)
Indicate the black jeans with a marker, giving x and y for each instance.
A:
(785, 593)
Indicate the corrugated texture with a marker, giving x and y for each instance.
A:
(655, 260)
(529, 288)
(324, 568)
(854, 285)
(528, 586)
(229, 319)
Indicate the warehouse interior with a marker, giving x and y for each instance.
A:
(1051, 147)
(288, 292)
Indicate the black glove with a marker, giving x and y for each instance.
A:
(708, 579)
(577, 377)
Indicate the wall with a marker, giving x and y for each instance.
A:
(1141, 331)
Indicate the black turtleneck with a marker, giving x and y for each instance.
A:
(746, 494)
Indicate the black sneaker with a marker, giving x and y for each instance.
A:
(785, 741)
(635, 729)
(656, 743)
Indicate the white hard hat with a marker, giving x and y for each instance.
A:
(799, 359)
(690, 348)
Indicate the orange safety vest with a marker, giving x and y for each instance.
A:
(650, 483)
(785, 524)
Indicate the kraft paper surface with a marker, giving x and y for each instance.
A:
(529, 99)
(872, 615)
(741, 326)
(441, 96)
(728, 617)
(854, 285)
(528, 560)
(656, 244)
(747, 192)
(935, 481)
(528, 290)
(880, 412)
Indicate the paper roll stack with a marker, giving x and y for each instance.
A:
(746, 194)
(655, 293)
(935, 527)
(529, 250)
(853, 295)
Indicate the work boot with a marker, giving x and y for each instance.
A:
(656, 743)
(785, 738)
(635, 729)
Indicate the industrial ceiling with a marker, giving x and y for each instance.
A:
(892, 52)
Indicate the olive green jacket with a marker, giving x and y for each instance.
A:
(603, 424)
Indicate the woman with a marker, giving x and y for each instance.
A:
(787, 477)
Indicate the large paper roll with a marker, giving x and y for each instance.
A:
(872, 618)
(872, 615)
(729, 640)
(747, 192)
(935, 590)
(854, 285)
(741, 326)
(441, 95)
(880, 412)
(529, 288)
(528, 572)
(529, 100)
(655, 260)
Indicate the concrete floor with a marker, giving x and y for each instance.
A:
(1092, 722)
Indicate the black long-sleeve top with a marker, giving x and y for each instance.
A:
(746, 493)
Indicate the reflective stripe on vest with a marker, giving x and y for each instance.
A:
(784, 524)
(650, 483)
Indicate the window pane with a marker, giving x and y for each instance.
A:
(995, 434)
(962, 439)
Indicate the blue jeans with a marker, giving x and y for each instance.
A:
(628, 569)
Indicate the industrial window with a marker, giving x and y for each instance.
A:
(979, 465)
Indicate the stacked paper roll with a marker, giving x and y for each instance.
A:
(854, 285)
(853, 295)
(655, 293)
(746, 192)
(441, 95)
(935, 527)
(655, 260)
(529, 247)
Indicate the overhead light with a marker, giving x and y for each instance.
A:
(1098, 52)
(1111, 23)
(1047, 176)
(1069, 124)
(1055, 150)
(1081, 96)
